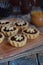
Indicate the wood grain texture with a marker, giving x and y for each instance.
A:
(6, 50)
(40, 57)
(41, 63)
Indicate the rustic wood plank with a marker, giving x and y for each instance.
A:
(41, 63)
(33, 50)
(5, 63)
(29, 52)
(26, 60)
(7, 50)
(40, 56)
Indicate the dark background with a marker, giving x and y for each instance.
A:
(18, 7)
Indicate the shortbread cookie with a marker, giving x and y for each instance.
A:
(18, 40)
(1, 37)
(31, 33)
(9, 30)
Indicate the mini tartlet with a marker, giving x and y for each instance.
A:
(4, 23)
(1, 37)
(9, 30)
(31, 33)
(18, 40)
(21, 24)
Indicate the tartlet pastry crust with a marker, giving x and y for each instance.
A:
(21, 24)
(17, 43)
(4, 23)
(1, 37)
(9, 30)
(31, 33)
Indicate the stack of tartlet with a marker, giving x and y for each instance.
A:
(18, 32)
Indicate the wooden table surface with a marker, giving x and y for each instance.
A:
(8, 53)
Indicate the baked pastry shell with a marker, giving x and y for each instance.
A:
(23, 26)
(9, 33)
(31, 36)
(2, 38)
(16, 43)
(4, 21)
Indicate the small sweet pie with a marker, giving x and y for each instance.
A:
(21, 23)
(4, 23)
(1, 37)
(31, 33)
(9, 30)
(18, 40)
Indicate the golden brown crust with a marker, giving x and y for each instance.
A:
(2, 38)
(21, 23)
(17, 43)
(11, 30)
(5, 23)
(31, 36)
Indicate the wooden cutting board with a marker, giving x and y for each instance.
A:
(6, 50)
